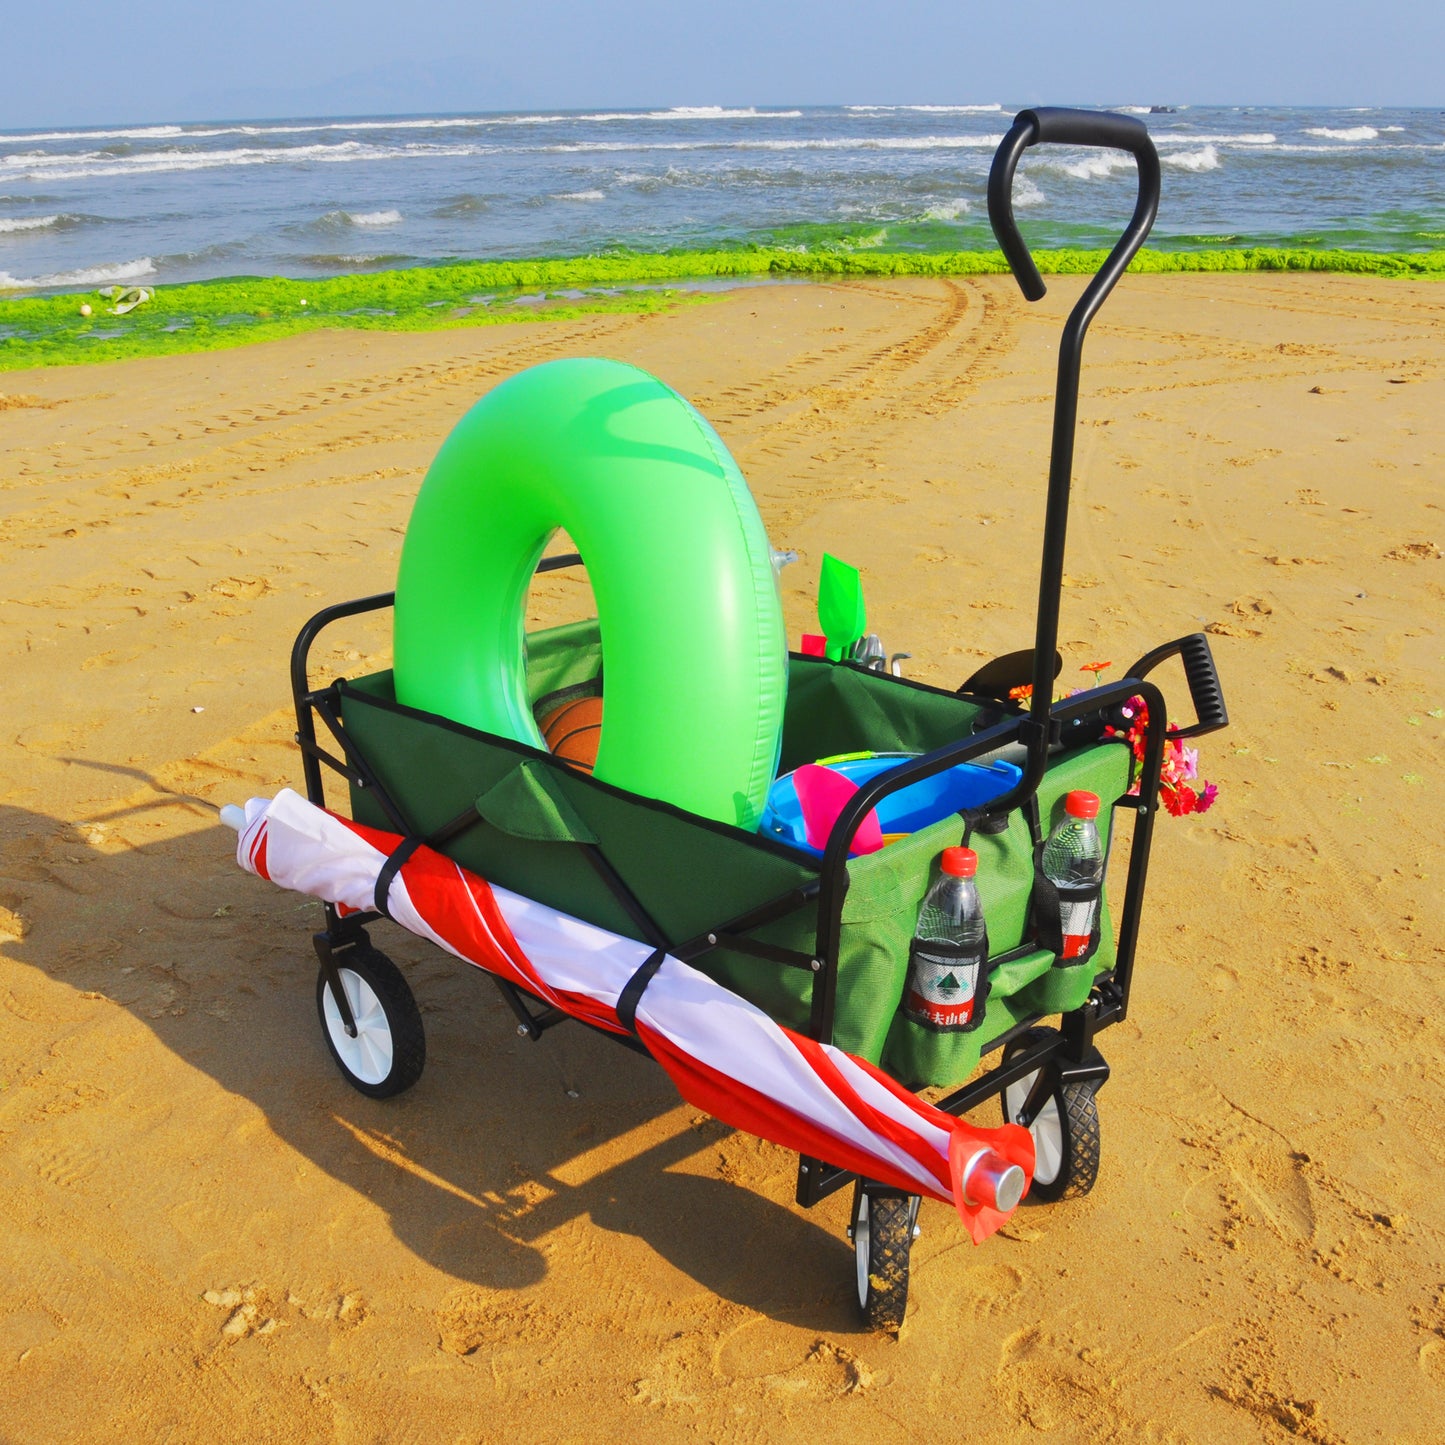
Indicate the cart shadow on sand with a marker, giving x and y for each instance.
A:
(500, 1146)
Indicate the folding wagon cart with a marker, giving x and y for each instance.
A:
(819, 944)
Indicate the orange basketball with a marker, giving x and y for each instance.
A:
(573, 731)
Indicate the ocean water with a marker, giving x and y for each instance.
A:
(85, 207)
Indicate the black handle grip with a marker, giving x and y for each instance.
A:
(1202, 676)
(1055, 125)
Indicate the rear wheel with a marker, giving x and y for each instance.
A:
(388, 1051)
(882, 1231)
(1065, 1128)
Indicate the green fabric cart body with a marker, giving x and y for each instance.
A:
(693, 875)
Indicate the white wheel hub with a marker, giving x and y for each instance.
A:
(861, 1236)
(1047, 1129)
(368, 1056)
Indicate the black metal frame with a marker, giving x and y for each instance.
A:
(1043, 728)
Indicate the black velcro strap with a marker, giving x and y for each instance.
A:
(1035, 820)
(635, 987)
(390, 869)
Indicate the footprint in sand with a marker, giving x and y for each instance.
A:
(782, 1362)
(1049, 1385)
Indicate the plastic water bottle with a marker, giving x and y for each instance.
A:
(950, 948)
(1074, 864)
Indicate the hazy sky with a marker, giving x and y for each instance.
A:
(91, 61)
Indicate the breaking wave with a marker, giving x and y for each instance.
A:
(87, 276)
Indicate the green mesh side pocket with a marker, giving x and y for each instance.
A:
(1027, 986)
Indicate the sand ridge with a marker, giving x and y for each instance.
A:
(207, 1232)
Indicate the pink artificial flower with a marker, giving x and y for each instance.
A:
(1178, 768)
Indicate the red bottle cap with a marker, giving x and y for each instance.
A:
(1082, 805)
(960, 862)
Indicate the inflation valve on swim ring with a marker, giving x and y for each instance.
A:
(677, 556)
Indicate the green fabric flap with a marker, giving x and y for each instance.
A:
(1008, 978)
(526, 803)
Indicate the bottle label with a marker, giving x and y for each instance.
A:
(943, 978)
(1076, 922)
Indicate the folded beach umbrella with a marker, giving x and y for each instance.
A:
(723, 1054)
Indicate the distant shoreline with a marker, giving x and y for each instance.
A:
(213, 315)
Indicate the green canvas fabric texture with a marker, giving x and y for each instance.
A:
(693, 875)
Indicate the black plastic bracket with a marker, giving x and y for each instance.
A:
(327, 945)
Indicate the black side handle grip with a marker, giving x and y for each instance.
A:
(1059, 126)
(1202, 676)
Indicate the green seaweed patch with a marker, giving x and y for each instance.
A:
(209, 315)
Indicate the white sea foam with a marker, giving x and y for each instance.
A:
(25, 223)
(879, 143)
(948, 210)
(1026, 193)
(459, 122)
(373, 218)
(988, 109)
(1095, 166)
(89, 276)
(850, 143)
(1206, 158)
(1344, 148)
(1133, 109)
(1349, 132)
(581, 196)
(142, 132)
(87, 165)
(1244, 138)
(711, 112)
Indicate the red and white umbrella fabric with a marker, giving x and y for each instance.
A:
(723, 1054)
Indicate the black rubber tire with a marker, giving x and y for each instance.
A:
(1076, 1110)
(882, 1239)
(401, 1015)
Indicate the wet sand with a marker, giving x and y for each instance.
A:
(208, 1234)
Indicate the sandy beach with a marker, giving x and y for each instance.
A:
(209, 1236)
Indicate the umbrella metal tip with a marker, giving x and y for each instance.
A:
(989, 1179)
(233, 815)
(1008, 1188)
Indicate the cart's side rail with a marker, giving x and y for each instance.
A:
(306, 700)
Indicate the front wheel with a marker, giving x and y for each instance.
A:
(1065, 1128)
(882, 1231)
(388, 1052)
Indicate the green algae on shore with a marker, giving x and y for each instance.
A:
(209, 315)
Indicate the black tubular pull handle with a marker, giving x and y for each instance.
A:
(1046, 125)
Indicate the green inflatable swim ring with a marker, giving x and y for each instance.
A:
(692, 630)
